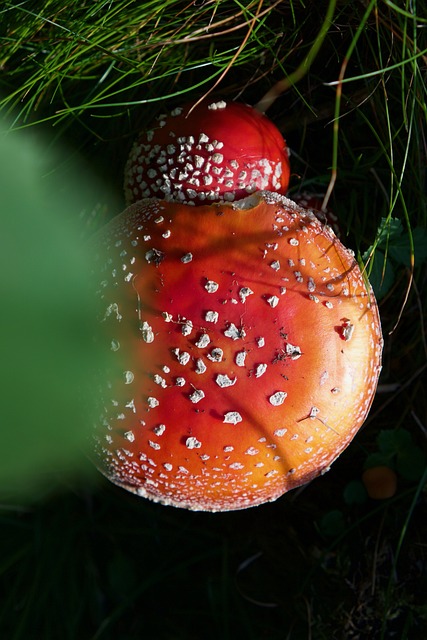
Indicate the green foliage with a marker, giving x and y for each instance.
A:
(394, 248)
(47, 320)
(397, 450)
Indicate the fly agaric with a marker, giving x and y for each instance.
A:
(218, 151)
(248, 350)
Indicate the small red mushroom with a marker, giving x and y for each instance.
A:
(380, 482)
(248, 350)
(216, 151)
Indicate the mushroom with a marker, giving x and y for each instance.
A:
(380, 482)
(214, 152)
(248, 349)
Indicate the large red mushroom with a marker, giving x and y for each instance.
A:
(248, 349)
(215, 151)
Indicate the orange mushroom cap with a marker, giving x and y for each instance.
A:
(248, 350)
(212, 152)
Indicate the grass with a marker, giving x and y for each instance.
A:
(346, 84)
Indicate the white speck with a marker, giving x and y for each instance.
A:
(147, 332)
(293, 242)
(187, 258)
(160, 429)
(314, 412)
(272, 473)
(216, 355)
(180, 382)
(228, 449)
(129, 377)
(200, 366)
(211, 316)
(240, 358)
(167, 466)
(154, 255)
(115, 345)
(244, 293)
(159, 220)
(203, 341)
(154, 445)
(324, 377)
(232, 417)
(160, 381)
(275, 265)
(217, 105)
(152, 402)
(182, 356)
(279, 432)
(196, 396)
(236, 465)
(131, 405)
(129, 435)
(251, 451)
(293, 352)
(273, 301)
(278, 398)
(113, 308)
(193, 443)
(347, 330)
(261, 368)
(218, 158)
(211, 286)
(223, 380)
(260, 342)
(187, 328)
(167, 317)
(233, 332)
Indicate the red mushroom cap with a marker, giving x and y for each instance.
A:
(248, 350)
(215, 152)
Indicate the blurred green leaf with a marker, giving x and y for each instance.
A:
(379, 459)
(394, 440)
(47, 320)
(400, 248)
(393, 248)
(411, 463)
(389, 230)
(332, 524)
(382, 275)
(355, 493)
